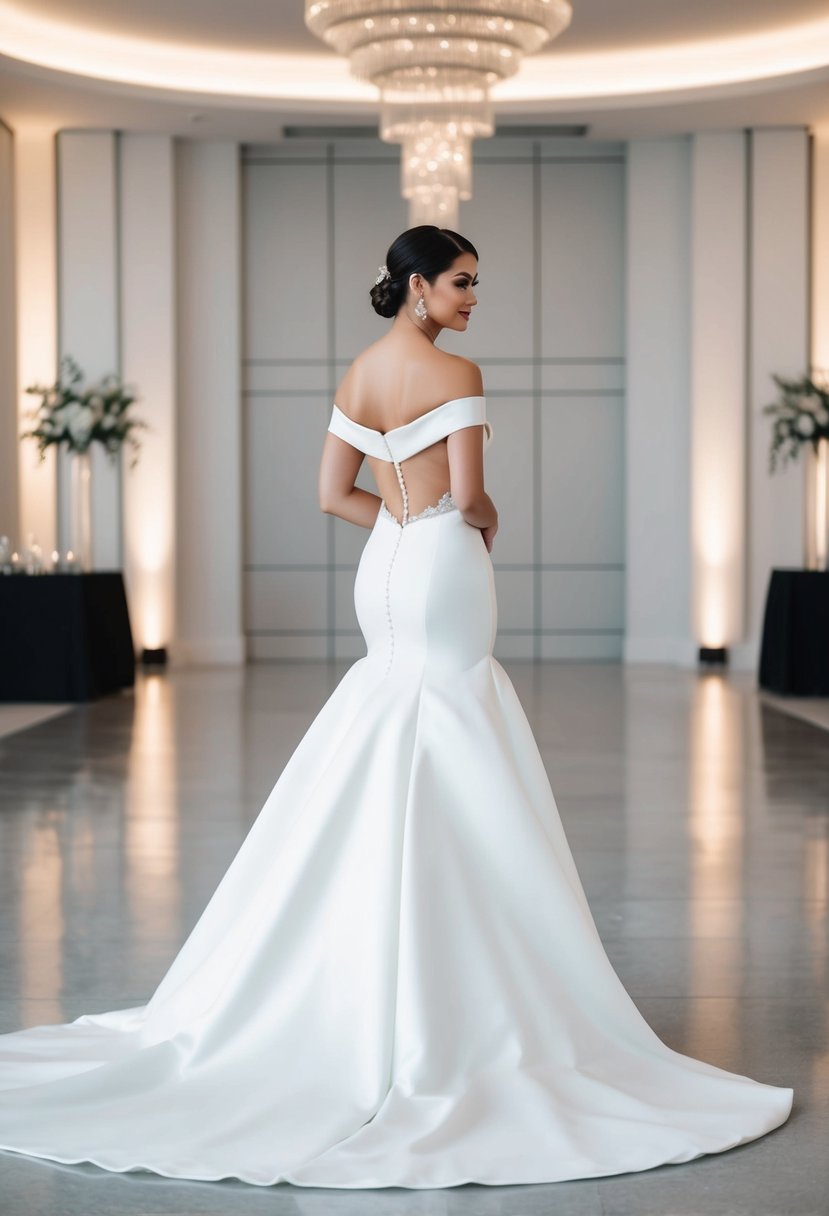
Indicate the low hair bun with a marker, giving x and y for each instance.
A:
(425, 250)
(383, 298)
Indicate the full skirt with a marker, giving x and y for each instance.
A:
(398, 981)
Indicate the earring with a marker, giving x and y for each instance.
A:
(420, 309)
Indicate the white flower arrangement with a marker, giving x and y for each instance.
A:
(800, 416)
(79, 417)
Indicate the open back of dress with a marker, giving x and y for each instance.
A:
(405, 443)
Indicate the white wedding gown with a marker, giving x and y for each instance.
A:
(398, 981)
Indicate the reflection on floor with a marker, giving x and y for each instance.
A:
(14, 718)
(808, 709)
(698, 817)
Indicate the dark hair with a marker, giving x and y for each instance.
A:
(425, 250)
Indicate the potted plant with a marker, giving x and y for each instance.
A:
(75, 417)
(801, 420)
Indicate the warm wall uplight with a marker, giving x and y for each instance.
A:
(717, 549)
(146, 211)
(149, 543)
(714, 63)
(712, 607)
(717, 389)
(36, 286)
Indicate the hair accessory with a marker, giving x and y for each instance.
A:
(384, 274)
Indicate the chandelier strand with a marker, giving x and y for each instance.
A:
(434, 63)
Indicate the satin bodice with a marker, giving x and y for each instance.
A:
(404, 441)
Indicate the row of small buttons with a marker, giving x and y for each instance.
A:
(405, 496)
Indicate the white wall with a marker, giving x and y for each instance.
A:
(717, 260)
(208, 309)
(686, 258)
(719, 298)
(778, 342)
(820, 249)
(35, 231)
(9, 517)
(819, 232)
(100, 208)
(657, 439)
(88, 310)
(148, 361)
(547, 218)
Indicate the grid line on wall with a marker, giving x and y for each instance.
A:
(331, 538)
(748, 313)
(119, 320)
(536, 401)
(319, 567)
(388, 160)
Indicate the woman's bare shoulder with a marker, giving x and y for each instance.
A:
(431, 378)
(461, 375)
(347, 386)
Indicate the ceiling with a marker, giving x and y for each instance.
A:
(596, 24)
(210, 69)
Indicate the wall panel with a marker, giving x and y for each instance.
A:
(718, 386)
(283, 522)
(367, 213)
(9, 516)
(88, 310)
(582, 518)
(147, 221)
(582, 259)
(502, 324)
(657, 407)
(547, 219)
(209, 448)
(286, 248)
(36, 292)
(779, 342)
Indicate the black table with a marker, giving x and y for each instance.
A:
(64, 637)
(794, 657)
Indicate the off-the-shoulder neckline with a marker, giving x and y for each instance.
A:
(414, 421)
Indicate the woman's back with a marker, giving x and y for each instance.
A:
(389, 384)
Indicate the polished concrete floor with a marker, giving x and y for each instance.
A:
(699, 820)
(20, 717)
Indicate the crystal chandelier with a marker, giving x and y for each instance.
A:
(434, 62)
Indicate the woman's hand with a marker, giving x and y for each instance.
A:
(489, 536)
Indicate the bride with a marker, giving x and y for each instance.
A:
(398, 981)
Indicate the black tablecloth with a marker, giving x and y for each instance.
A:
(64, 637)
(795, 653)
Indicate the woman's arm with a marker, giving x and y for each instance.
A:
(468, 490)
(465, 450)
(338, 494)
(466, 469)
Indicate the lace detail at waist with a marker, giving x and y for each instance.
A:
(445, 503)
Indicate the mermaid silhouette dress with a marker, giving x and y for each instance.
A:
(398, 981)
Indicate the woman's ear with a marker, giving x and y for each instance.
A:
(414, 282)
